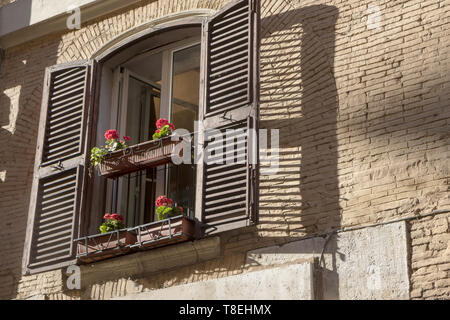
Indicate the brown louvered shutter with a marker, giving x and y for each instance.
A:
(59, 167)
(230, 92)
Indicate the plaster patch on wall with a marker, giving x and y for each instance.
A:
(13, 96)
(369, 263)
(290, 282)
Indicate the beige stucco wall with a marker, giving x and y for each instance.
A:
(363, 113)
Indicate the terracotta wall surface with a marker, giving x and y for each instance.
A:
(360, 95)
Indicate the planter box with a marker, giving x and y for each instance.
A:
(165, 232)
(138, 157)
(103, 246)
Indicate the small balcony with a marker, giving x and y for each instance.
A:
(151, 235)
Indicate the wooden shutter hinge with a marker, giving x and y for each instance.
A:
(59, 166)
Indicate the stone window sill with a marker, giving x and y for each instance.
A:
(152, 261)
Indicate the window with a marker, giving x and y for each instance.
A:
(201, 69)
(145, 96)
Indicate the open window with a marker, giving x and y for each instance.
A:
(162, 83)
(206, 71)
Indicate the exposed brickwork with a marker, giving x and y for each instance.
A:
(364, 123)
(430, 258)
(5, 2)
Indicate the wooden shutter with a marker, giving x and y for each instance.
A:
(230, 95)
(59, 167)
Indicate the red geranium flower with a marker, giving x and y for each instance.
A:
(116, 216)
(157, 131)
(171, 126)
(113, 216)
(111, 134)
(163, 201)
(161, 123)
(126, 138)
(181, 209)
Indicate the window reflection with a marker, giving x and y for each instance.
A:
(185, 99)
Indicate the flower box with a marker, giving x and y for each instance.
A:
(164, 232)
(103, 246)
(137, 157)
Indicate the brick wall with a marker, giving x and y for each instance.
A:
(361, 100)
(430, 257)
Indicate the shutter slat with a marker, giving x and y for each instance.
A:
(232, 169)
(66, 123)
(222, 187)
(232, 205)
(60, 210)
(238, 176)
(236, 10)
(237, 46)
(228, 46)
(230, 103)
(223, 217)
(64, 135)
(227, 83)
(222, 35)
(61, 142)
(223, 78)
(67, 97)
(68, 91)
(54, 253)
(48, 262)
(229, 67)
(69, 115)
(221, 93)
(54, 225)
(63, 179)
(71, 99)
(54, 235)
(55, 157)
(76, 77)
(62, 74)
(46, 203)
(41, 252)
(56, 217)
(236, 191)
(51, 242)
(235, 18)
(57, 112)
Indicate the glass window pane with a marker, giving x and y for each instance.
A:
(137, 190)
(185, 87)
(185, 100)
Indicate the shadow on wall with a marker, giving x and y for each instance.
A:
(21, 83)
(299, 97)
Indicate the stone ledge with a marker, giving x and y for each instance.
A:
(293, 281)
(138, 264)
